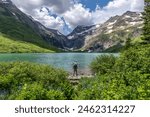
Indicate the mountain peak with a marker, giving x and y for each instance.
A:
(6, 1)
(130, 13)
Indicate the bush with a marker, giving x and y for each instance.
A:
(103, 64)
(37, 92)
(23, 80)
(135, 59)
(128, 80)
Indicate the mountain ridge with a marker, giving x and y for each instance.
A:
(97, 38)
(106, 35)
(26, 27)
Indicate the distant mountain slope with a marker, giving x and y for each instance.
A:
(11, 46)
(112, 33)
(19, 26)
(77, 36)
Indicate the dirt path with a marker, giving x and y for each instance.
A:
(81, 73)
(75, 79)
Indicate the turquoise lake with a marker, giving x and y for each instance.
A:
(59, 60)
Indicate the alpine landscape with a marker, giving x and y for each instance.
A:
(75, 50)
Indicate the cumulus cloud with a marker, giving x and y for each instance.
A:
(78, 15)
(59, 6)
(117, 7)
(28, 6)
(43, 16)
(137, 5)
(74, 12)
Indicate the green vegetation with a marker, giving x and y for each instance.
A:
(119, 37)
(103, 37)
(115, 49)
(28, 81)
(14, 28)
(10, 46)
(18, 31)
(137, 40)
(128, 78)
(129, 42)
(146, 17)
(103, 64)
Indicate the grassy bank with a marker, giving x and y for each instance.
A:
(11, 46)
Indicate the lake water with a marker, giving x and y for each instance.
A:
(59, 60)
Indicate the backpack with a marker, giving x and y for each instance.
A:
(75, 66)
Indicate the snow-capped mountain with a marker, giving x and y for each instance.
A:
(128, 19)
(114, 31)
(76, 38)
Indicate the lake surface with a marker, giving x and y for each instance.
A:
(59, 60)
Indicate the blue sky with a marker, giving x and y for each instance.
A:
(65, 15)
(93, 3)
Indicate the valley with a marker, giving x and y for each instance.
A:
(107, 61)
(110, 36)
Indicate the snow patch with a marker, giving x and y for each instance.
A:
(111, 23)
(141, 15)
(13, 13)
(134, 18)
(97, 26)
(93, 31)
(109, 27)
(133, 23)
(109, 31)
(86, 31)
(126, 16)
(126, 22)
(122, 27)
(59, 33)
(70, 37)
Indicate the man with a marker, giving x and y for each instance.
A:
(75, 68)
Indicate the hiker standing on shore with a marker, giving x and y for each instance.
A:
(75, 68)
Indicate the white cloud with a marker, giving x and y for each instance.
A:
(28, 5)
(78, 15)
(117, 4)
(59, 6)
(116, 7)
(47, 20)
(74, 12)
(137, 5)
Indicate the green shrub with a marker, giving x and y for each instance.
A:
(103, 64)
(23, 80)
(36, 91)
(128, 80)
(134, 59)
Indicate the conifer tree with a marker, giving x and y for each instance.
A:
(146, 16)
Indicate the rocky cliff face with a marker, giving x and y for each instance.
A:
(77, 37)
(113, 32)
